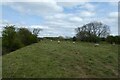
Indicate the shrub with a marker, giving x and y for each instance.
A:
(8, 39)
(74, 38)
(12, 39)
(26, 36)
(113, 39)
(110, 39)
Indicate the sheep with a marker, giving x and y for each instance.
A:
(96, 44)
(73, 42)
(58, 41)
(51, 40)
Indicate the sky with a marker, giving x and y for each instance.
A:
(59, 18)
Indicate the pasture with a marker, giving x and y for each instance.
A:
(0, 67)
(48, 59)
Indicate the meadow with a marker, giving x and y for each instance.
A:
(0, 58)
(48, 59)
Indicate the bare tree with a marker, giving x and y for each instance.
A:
(94, 28)
(36, 31)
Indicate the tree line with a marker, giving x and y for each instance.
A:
(15, 38)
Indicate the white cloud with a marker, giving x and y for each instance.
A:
(70, 4)
(40, 8)
(76, 19)
(56, 16)
(84, 5)
(89, 6)
(39, 26)
(113, 14)
(87, 13)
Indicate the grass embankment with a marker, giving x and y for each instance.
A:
(50, 59)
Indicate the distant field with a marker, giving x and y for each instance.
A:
(52, 60)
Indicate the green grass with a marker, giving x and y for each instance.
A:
(0, 58)
(52, 60)
(0, 41)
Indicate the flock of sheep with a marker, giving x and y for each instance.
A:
(96, 44)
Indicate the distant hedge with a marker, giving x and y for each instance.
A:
(113, 39)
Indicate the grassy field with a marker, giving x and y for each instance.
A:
(52, 60)
(0, 58)
(0, 44)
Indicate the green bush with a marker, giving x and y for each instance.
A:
(117, 39)
(113, 39)
(8, 39)
(74, 38)
(26, 36)
(13, 39)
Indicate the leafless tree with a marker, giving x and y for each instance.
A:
(94, 28)
(36, 31)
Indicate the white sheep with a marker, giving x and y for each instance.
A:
(58, 41)
(51, 40)
(96, 44)
(73, 42)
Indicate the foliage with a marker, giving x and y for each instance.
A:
(113, 39)
(9, 40)
(13, 39)
(26, 36)
(102, 39)
(74, 38)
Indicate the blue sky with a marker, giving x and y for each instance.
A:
(59, 18)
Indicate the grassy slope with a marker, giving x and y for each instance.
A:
(50, 59)
(0, 58)
(0, 45)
